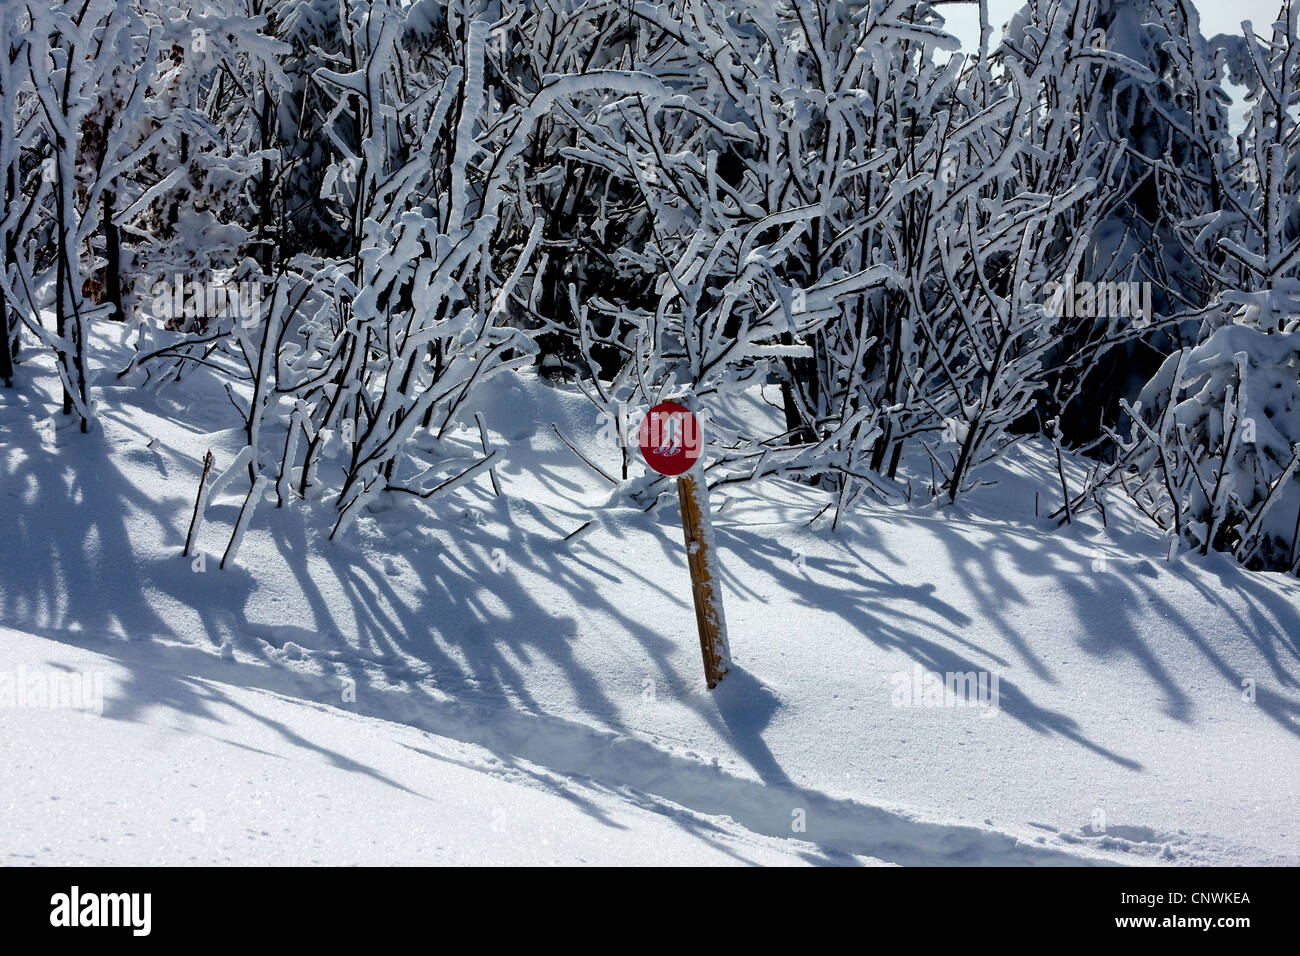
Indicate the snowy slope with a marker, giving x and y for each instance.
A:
(186, 770)
(497, 665)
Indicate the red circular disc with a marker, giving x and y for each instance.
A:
(670, 439)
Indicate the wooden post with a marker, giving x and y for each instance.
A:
(693, 493)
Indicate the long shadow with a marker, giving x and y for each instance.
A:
(835, 827)
(451, 652)
(147, 687)
(890, 617)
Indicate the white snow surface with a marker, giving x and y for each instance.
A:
(523, 699)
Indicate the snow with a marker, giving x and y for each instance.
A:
(520, 698)
(186, 770)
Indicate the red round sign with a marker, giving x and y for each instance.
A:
(670, 439)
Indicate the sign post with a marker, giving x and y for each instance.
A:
(671, 443)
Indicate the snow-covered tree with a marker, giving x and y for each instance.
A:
(1218, 424)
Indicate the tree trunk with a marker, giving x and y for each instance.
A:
(113, 253)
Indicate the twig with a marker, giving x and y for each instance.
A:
(577, 531)
(444, 485)
(482, 440)
(585, 460)
(1065, 489)
(208, 462)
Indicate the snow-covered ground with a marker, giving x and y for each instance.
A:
(190, 770)
(459, 683)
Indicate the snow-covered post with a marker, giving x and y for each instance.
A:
(702, 555)
(671, 444)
